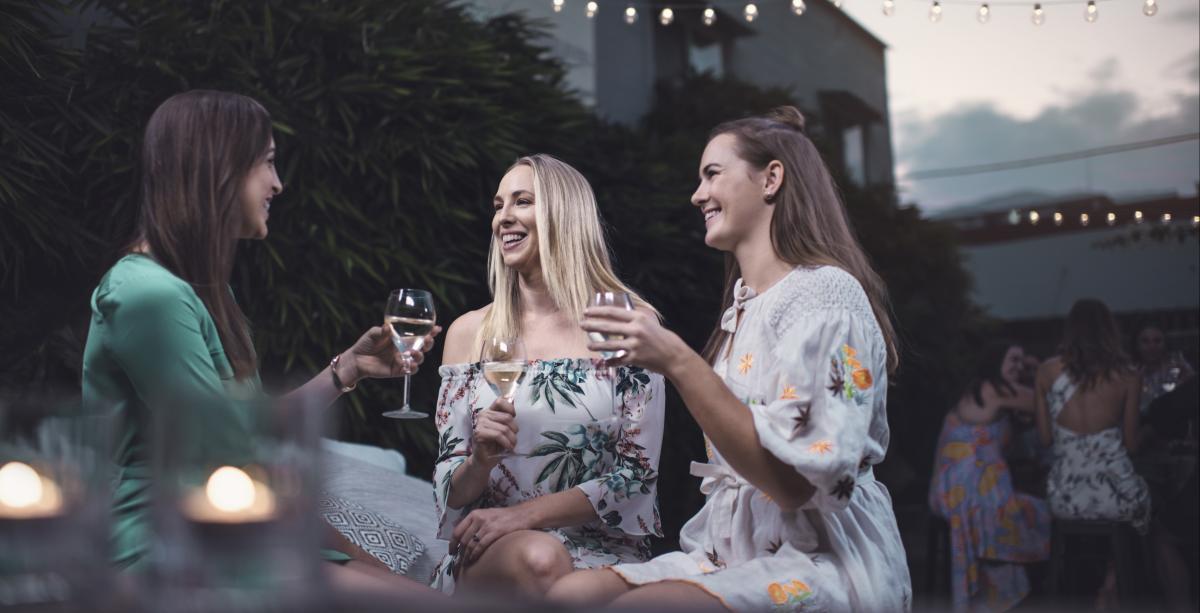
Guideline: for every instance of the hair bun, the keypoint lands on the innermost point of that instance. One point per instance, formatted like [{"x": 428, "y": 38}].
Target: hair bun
[{"x": 789, "y": 115}]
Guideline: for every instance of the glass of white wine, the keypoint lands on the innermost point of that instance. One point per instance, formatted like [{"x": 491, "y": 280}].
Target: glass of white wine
[
  {"x": 409, "y": 316},
  {"x": 621, "y": 300},
  {"x": 504, "y": 365}
]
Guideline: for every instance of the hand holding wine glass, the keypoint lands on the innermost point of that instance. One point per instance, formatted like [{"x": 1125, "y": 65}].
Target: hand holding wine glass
[
  {"x": 504, "y": 365},
  {"x": 409, "y": 316}
]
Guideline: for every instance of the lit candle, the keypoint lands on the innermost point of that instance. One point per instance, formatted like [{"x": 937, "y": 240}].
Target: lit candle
[
  {"x": 230, "y": 496},
  {"x": 26, "y": 494}
]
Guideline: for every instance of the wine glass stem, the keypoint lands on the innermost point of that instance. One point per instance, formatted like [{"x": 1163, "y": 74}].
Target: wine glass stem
[{"x": 406, "y": 384}]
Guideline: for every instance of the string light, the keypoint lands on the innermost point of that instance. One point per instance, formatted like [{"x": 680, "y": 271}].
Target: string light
[
  {"x": 1111, "y": 218},
  {"x": 666, "y": 16},
  {"x": 751, "y": 12},
  {"x": 710, "y": 16},
  {"x": 1034, "y": 217},
  {"x": 1166, "y": 218},
  {"x": 1150, "y": 8},
  {"x": 798, "y": 7},
  {"x": 1058, "y": 218},
  {"x": 558, "y": 6},
  {"x": 1091, "y": 13},
  {"x": 1039, "y": 16},
  {"x": 1195, "y": 220},
  {"x": 935, "y": 12},
  {"x": 591, "y": 9},
  {"x": 630, "y": 14},
  {"x": 889, "y": 7},
  {"x": 1083, "y": 219},
  {"x": 985, "y": 13},
  {"x": 1137, "y": 217}
]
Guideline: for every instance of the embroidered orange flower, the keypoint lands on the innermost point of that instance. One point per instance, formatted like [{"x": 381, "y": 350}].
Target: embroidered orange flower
[
  {"x": 821, "y": 447},
  {"x": 853, "y": 363},
  {"x": 862, "y": 378},
  {"x": 777, "y": 593},
  {"x": 789, "y": 393},
  {"x": 746, "y": 363},
  {"x": 798, "y": 588},
  {"x": 849, "y": 351}
]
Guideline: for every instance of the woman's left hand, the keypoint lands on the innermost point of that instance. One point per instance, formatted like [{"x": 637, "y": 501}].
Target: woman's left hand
[
  {"x": 375, "y": 357},
  {"x": 482, "y": 527},
  {"x": 646, "y": 342}
]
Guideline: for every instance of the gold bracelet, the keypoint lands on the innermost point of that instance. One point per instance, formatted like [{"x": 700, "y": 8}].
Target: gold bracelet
[{"x": 337, "y": 381}]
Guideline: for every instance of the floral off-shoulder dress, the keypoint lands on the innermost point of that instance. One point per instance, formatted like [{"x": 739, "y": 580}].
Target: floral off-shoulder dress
[
  {"x": 808, "y": 360},
  {"x": 580, "y": 425}
]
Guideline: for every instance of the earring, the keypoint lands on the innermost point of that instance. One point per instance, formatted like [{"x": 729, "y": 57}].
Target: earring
[{"x": 769, "y": 197}]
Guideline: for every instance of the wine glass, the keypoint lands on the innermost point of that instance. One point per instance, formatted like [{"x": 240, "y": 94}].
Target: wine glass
[
  {"x": 409, "y": 316},
  {"x": 620, "y": 300},
  {"x": 504, "y": 365}
]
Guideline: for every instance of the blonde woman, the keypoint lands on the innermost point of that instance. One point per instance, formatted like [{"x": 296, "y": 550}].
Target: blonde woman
[{"x": 581, "y": 492}]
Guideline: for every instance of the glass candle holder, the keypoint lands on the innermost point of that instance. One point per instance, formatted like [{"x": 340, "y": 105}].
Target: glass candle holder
[
  {"x": 55, "y": 477},
  {"x": 234, "y": 515}
]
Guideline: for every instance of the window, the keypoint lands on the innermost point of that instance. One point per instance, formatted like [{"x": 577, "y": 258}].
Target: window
[{"x": 854, "y": 154}]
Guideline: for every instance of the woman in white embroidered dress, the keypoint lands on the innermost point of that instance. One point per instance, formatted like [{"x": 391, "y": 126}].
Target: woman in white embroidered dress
[
  {"x": 580, "y": 491},
  {"x": 792, "y": 407}
]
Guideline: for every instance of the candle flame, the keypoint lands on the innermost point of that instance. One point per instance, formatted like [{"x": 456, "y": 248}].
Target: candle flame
[
  {"x": 230, "y": 489},
  {"x": 20, "y": 485}
]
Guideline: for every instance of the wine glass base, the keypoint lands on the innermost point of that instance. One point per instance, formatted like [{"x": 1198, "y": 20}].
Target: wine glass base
[{"x": 402, "y": 414}]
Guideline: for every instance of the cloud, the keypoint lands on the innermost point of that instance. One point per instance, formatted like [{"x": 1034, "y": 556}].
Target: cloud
[{"x": 981, "y": 133}]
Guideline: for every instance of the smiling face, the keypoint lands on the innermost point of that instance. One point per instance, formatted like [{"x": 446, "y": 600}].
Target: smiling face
[
  {"x": 1013, "y": 365},
  {"x": 730, "y": 196},
  {"x": 514, "y": 224},
  {"x": 259, "y": 187}
]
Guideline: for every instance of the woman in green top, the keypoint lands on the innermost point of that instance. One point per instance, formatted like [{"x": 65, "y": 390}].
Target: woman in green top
[{"x": 164, "y": 321}]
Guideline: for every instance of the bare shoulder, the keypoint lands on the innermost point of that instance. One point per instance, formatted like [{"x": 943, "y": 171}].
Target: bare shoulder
[{"x": 461, "y": 336}]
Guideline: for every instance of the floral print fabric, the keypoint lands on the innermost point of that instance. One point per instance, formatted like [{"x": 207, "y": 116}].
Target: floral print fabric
[
  {"x": 993, "y": 529},
  {"x": 1092, "y": 476},
  {"x": 809, "y": 363},
  {"x": 579, "y": 427}
]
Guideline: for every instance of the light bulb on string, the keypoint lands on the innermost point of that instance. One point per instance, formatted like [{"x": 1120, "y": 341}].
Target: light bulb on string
[
  {"x": 1150, "y": 8},
  {"x": 889, "y": 7},
  {"x": 591, "y": 9},
  {"x": 1039, "y": 16},
  {"x": 1111, "y": 218},
  {"x": 666, "y": 16},
  {"x": 838, "y": 3},
  {"x": 1091, "y": 13},
  {"x": 798, "y": 7},
  {"x": 1166, "y": 218},
  {"x": 1138, "y": 217},
  {"x": 935, "y": 12},
  {"x": 710, "y": 16},
  {"x": 557, "y": 5},
  {"x": 751, "y": 12},
  {"x": 985, "y": 13},
  {"x": 1083, "y": 219},
  {"x": 1058, "y": 218},
  {"x": 630, "y": 14},
  {"x": 1034, "y": 217},
  {"x": 1195, "y": 220}
]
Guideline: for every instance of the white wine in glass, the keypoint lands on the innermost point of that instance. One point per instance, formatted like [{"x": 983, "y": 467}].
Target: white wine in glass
[
  {"x": 504, "y": 365},
  {"x": 409, "y": 316},
  {"x": 620, "y": 300}
]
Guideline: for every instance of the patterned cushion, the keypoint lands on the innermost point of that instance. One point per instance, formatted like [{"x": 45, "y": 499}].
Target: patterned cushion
[{"x": 374, "y": 533}]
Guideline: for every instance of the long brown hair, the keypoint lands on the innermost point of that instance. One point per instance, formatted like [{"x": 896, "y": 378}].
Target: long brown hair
[
  {"x": 809, "y": 226},
  {"x": 1091, "y": 349},
  {"x": 198, "y": 148}
]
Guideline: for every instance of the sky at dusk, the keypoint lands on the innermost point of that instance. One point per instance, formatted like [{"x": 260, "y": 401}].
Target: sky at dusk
[{"x": 965, "y": 93}]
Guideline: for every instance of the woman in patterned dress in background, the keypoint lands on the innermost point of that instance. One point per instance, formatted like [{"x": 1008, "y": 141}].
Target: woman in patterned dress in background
[
  {"x": 994, "y": 530},
  {"x": 790, "y": 393},
  {"x": 580, "y": 490}
]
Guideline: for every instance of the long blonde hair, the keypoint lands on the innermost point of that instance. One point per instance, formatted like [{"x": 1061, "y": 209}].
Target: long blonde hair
[{"x": 571, "y": 248}]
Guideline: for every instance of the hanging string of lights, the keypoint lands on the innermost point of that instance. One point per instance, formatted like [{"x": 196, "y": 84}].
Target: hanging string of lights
[
  {"x": 750, "y": 11},
  {"x": 1110, "y": 218}
]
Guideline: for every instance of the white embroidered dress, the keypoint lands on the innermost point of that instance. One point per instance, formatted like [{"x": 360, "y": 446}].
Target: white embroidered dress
[{"x": 809, "y": 361}]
